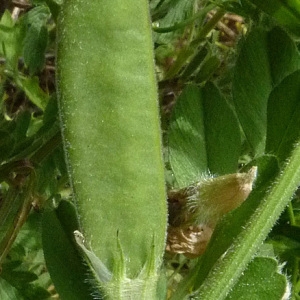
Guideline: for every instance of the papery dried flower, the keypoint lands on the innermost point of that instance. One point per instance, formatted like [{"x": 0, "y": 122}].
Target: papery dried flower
[
  {"x": 195, "y": 210},
  {"x": 191, "y": 241}
]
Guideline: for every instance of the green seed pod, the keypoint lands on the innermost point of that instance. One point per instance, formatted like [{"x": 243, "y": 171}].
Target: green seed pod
[{"x": 111, "y": 132}]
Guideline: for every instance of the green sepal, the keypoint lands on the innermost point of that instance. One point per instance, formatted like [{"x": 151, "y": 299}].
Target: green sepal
[{"x": 97, "y": 266}]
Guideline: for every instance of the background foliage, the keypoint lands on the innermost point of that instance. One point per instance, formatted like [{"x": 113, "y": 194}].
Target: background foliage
[{"x": 228, "y": 75}]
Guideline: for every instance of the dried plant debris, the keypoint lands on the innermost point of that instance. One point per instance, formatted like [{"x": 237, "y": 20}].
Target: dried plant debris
[{"x": 195, "y": 210}]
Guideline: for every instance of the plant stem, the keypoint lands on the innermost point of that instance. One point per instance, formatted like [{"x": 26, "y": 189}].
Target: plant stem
[
  {"x": 183, "y": 24},
  {"x": 47, "y": 148},
  {"x": 230, "y": 267},
  {"x": 210, "y": 25},
  {"x": 291, "y": 214},
  {"x": 295, "y": 275},
  {"x": 189, "y": 50},
  {"x": 22, "y": 200}
]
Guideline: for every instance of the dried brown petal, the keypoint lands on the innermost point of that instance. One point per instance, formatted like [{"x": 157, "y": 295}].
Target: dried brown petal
[
  {"x": 195, "y": 210},
  {"x": 209, "y": 199},
  {"x": 191, "y": 241}
]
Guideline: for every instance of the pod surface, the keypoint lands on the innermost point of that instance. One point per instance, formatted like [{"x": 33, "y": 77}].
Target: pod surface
[{"x": 111, "y": 129}]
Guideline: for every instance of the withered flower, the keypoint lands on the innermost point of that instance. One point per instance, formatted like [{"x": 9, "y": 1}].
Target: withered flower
[{"x": 195, "y": 210}]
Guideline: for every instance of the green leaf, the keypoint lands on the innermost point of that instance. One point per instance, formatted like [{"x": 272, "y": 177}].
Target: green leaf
[
  {"x": 286, "y": 12},
  {"x": 261, "y": 280},
  {"x": 286, "y": 246},
  {"x": 20, "y": 285},
  {"x": 284, "y": 117},
  {"x": 30, "y": 85},
  {"x": 187, "y": 151},
  {"x": 35, "y": 44},
  {"x": 7, "y": 143},
  {"x": 175, "y": 13},
  {"x": 195, "y": 62},
  {"x": 36, "y": 37},
  {"x": 265, "y": 58},
  {"x": 22, "y": 124},
  {"x": 7, "y": 291},
  {"x": 54, "y": 6},
  {"x": 11, "y": 39},
  {"x": 37, "y": 16},
  {"x": 70, "y": 275},
  {"x": 201, "y": 141},
  {"x": 23, "y": 276},
  {"x": 222, "y": 132},
  {"x": 24, "y": 267},
  {"x": 10, "y": 207},
  {"x": 207, "y": 69}
]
